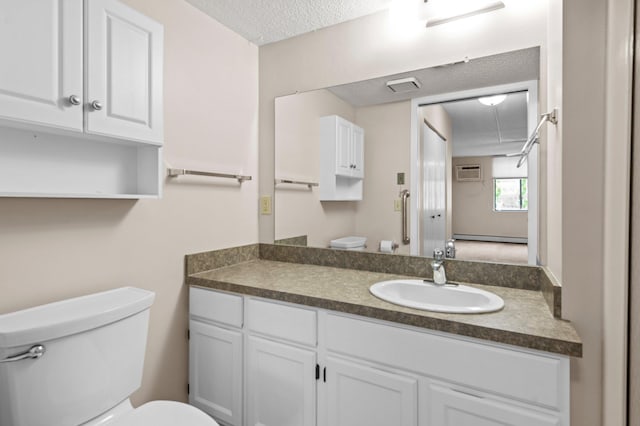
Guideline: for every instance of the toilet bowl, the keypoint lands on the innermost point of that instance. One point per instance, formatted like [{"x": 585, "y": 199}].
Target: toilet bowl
[
  {"x": 76, "y": 362},
  {"x": 154, "y": 413}
]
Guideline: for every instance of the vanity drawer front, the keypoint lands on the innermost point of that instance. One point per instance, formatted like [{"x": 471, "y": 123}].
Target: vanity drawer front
[
  {"x": 282, "y": 321},
  {"x": 216, "y": 306},
  {"x": 517, "y": 374}
]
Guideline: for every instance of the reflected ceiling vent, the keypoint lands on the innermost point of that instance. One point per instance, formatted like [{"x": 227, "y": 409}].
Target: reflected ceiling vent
[{"x": 404, "y": 85}]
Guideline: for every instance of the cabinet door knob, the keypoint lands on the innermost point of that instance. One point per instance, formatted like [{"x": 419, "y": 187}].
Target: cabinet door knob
[
  {"x": 74, "y": 100},
  {"x": 96, "y": 105}
]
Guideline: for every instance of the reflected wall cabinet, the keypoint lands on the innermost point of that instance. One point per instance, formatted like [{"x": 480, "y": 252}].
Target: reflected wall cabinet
[
  {"x": 302, "y": 366},
  {"x": 80, "y": 100},
  {"x": 341, "y": 159}
]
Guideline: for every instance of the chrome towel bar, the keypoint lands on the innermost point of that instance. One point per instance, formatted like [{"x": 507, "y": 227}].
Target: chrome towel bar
[
  {"x": 551, "y": 117},
  {"x": 297, "y": 182},
  {"x": 180, "y": 172}
]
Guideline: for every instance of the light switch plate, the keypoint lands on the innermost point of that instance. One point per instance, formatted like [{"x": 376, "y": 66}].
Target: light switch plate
[
  {"x": 400, "y": 178},
  {"x": 265, "y": 204},
  {"x": 397, "y": 204}
]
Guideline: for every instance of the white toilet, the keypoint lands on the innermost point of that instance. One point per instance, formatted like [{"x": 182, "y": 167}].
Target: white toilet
[
  {"x": 76, "y": 362},
  {"x": 349, "y": 243}
]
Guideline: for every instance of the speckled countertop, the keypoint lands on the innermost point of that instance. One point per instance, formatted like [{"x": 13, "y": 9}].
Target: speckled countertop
[{"x": 525, "y": 320}]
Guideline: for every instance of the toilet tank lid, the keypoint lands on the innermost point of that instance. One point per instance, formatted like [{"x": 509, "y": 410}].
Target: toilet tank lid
[
  {"x": 348, "y": 242},
  {"x": 71, "y": 316}
]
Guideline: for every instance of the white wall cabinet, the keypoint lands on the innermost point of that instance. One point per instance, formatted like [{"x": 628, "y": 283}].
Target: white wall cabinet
[
  {"x": 306, "y": 366},
  {"x": 341, "y": 159},
  {"x": 80, "y": 100},
  {"x": 123, "y": 71},
  {"x": 41, "y": 66}
]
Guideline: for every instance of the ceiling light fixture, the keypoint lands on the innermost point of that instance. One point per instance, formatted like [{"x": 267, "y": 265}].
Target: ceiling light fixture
[
  {"x": 464, "y": 11},
  {"x": 492, "y": 100}
]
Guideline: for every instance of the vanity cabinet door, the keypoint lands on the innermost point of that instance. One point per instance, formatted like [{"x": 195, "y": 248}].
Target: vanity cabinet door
[
  {"x": 450, "y": 406},
  {"x": 215, "y": 371},
  {"x": 41, "y": 62},
  {"x": 281, "y": 384},
  {"x": 124, "y": 72},
  {"x": 364, "y": 396}
]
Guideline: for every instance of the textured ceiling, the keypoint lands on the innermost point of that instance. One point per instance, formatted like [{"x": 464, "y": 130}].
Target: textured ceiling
[
  {"x": 488, "y": 130},
  {"x": 267, "y": 21},
  {"x": 510, "y": 67}
]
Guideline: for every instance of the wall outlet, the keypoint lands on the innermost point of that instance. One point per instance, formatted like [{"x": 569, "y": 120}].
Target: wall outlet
[
  {"x": 400, "y": 178},
  {"x": 265, "y": 204},
  {"x": 397, "y": 204}
]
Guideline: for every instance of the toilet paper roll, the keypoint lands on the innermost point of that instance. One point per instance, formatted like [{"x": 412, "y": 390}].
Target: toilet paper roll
[{"x": 387, "y": 246}]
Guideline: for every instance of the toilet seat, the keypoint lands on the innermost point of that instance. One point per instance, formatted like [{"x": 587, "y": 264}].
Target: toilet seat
[{"x": 164, "y": 413}]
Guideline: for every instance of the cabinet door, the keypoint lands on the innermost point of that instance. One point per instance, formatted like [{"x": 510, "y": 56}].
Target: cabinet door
[
  {"x": 344, "y": 148},
  {"x": 123, "y": 70},
  {"x": 215, "y": 371},
  {"x": 451, "y": 407},
  {"x": 364, "y": 396},
  {"x": 357, "y": 149},
  {"x": 281, "y": 384},
  {"x": 41, "y": 62}
]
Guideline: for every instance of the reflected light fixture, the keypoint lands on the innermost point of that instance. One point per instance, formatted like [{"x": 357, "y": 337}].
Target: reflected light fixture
[
  {"x": 492, "y": 100},
  {"x": 464, "y": 10}
]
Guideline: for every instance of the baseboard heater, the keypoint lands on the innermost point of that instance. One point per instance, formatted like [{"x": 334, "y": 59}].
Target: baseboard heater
[{"x": 491, "y": 238}]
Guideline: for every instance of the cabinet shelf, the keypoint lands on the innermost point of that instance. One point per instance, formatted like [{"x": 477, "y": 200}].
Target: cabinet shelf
[{"x": 43, "y": 165}]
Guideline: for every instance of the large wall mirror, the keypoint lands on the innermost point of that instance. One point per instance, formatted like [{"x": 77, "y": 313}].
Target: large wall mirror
[{"x": 413, "y": 160}]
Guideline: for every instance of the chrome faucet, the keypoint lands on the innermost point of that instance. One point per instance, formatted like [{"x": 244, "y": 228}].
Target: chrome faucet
[{"x": 437, "y": 264}]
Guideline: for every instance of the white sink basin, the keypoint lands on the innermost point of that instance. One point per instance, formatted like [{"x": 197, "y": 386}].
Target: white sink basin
[{"x": 419, "y": 294}]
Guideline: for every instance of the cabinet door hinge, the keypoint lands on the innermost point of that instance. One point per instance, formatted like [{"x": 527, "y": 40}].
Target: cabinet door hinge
[
  {"x": 317, "y": 372},
  {"x": 188, "y": 389},
  {"x": 188, "y": 334},
  {"x": 324, "y": 374}
]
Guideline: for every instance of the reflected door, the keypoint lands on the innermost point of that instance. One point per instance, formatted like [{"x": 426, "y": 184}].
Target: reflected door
[{"x": 433, "y": 200}]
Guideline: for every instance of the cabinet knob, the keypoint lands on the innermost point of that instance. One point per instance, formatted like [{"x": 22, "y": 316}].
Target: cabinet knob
[
  {"x": 97, "y": 105},
  {"x": 74, "y": 100}
]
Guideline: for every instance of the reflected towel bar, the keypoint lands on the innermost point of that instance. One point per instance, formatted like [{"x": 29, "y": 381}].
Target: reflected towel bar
[
  {"x": 297, "y": 182},
  {"x": 551, "y": 117},
  {"x": 180, "y": 172}
]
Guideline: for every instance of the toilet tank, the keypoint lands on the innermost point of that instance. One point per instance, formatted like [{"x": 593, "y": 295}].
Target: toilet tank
[{"x": 93, "y": 359}]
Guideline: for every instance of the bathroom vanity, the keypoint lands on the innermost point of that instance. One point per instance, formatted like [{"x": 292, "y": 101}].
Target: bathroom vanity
[{"x": 284, "y": 343}]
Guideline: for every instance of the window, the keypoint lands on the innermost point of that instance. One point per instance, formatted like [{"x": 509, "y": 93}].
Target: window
[{"x": 510, "y": 194}]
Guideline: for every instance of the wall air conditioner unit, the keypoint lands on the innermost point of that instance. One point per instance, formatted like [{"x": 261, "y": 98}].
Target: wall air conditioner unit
[{"x": 469, "y": 173}]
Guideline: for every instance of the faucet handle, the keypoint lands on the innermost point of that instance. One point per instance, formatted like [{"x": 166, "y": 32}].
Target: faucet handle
[{"x": 438, "y": 254}]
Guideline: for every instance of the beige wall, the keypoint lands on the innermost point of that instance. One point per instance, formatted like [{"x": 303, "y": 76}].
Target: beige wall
[
  {"x": 298, "y": 210},
  {"x": 582, "y": 143},
  {"x": 473, "y": 212},
  {"x": 52, "y": 249},
  {"x": 387, "y": 140}
]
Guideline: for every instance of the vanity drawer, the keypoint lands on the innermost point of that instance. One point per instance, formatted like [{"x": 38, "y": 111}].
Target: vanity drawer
[
  {"x": 513, "y": 373},
  {"x": 282, "y": 321},
  {"x": 216, "y": 306}
]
